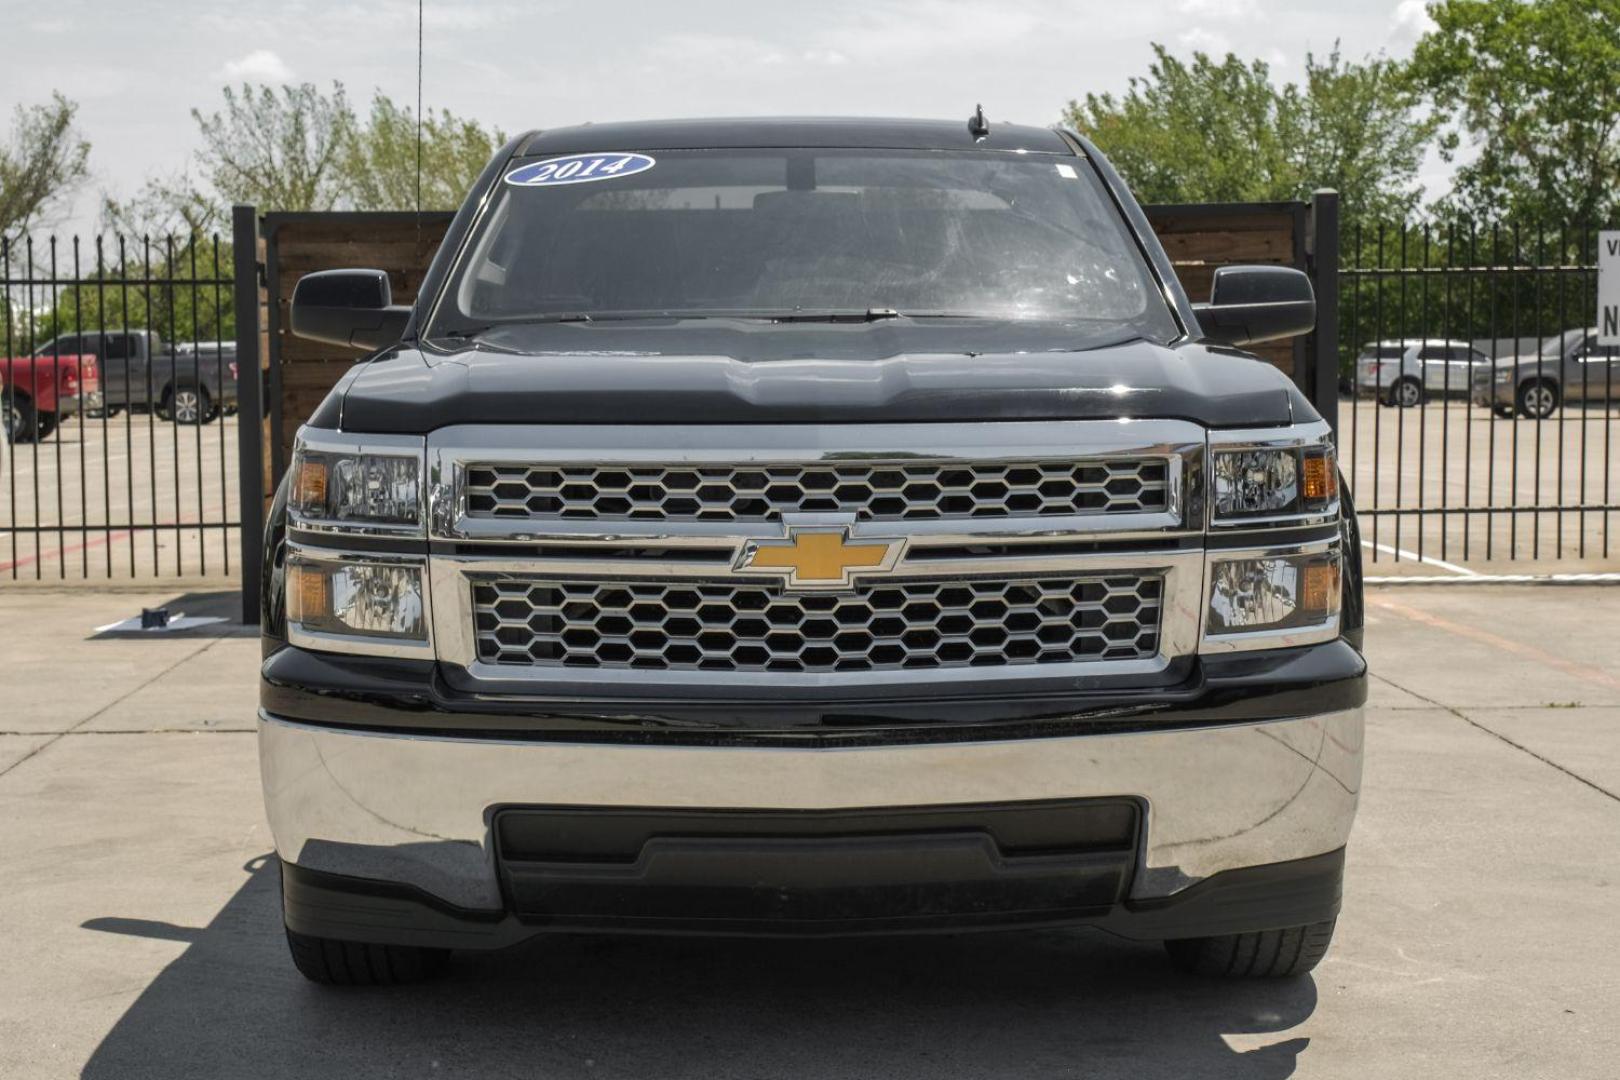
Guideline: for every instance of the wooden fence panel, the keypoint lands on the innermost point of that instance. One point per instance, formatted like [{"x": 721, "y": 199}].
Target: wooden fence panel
[
  {"x": 306, "y": 371},
  {"x": 1199, "y": 239}
]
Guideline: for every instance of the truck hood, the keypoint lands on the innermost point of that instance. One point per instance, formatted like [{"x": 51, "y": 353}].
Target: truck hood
[{"x": 821, "y": 378}]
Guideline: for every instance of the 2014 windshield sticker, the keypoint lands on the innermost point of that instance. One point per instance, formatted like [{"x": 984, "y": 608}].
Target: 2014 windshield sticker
[{"x": 579, "y": 169}]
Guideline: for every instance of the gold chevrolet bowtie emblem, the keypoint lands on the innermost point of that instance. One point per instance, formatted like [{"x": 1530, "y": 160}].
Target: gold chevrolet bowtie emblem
[{"x": 818, "y": 556}]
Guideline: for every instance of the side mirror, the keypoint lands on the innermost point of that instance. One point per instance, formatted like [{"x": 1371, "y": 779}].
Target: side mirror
[
  {"x": 353, "y": 308},
  {"x": 1251, "y": 304}
]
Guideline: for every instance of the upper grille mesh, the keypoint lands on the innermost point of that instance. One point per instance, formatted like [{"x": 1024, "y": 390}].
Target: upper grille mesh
[
  {"x": 726, "y": 627},
  {"x": 872, "y": 491}
]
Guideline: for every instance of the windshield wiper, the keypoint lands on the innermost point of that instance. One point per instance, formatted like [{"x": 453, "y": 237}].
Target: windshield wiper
[
  {"x": 877, "y": 314},
  {"x": 869, "y": 315}
]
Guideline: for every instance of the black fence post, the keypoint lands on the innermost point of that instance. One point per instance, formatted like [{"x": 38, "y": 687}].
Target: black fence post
[
  {"x": 250, "y": 404},
  {"x": 1322, "y": 254}
]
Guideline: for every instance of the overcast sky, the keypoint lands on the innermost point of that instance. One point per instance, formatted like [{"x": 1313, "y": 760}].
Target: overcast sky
[{"x": 136, "y": 67}]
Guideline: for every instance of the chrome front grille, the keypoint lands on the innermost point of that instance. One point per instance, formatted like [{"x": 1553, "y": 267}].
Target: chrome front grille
[
  {"x": 628, "y": 559},
  {"x": 722, "y": 626},
  {"x": 870, "y": 491}
]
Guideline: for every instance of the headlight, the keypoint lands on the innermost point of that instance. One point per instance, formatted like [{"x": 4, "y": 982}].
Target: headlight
[
  {"x": 1272, "y": 599},
  {"x": 359, "y": 603},
  {"x": 357, "y": 484},
  {"x": 1289, "y": 479}
]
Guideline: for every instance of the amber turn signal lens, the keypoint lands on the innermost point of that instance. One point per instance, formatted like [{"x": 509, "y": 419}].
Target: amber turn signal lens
[
  {"x": 308, "y": 598},
  {"x": 1321, "y": 587},
  {"x": 311, "y": 485},
  {"x": 1321, "y": 483}
]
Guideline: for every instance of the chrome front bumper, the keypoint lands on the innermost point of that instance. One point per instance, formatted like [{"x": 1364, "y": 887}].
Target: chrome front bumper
[{"x": 417, "y": 810}]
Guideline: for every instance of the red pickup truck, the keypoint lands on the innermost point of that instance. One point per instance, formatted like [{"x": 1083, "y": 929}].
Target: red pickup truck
[{"x": 38, "y": 392}]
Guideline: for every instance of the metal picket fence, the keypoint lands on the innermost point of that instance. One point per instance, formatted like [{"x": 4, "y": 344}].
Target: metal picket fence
[
  {"x": 1480, "y": 420},
  {"x": 118, "y": 387}
]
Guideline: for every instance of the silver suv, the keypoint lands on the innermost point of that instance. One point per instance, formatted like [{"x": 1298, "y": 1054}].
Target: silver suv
[{"x": 1405, "y": 373}]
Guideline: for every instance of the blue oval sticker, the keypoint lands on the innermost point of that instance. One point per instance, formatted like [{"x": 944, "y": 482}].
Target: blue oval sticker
[{"x": 579, "y": 169}]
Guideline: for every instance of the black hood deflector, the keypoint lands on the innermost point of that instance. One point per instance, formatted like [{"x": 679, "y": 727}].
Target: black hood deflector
[{"x": 754, "y": 380}]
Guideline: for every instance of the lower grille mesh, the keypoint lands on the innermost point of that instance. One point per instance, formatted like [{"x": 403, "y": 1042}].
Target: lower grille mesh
[{"x": 726, "y": 627}]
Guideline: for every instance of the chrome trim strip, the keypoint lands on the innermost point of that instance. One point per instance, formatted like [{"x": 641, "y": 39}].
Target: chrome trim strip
[
  {"x": 705, "y": 533},
  {"x": 414, "y": 809},
  {"x": 1271, "y": 438},
  {"x": 363, "y": 644}
]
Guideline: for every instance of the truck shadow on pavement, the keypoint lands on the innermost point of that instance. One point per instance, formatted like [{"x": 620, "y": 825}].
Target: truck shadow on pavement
[{"x": 1042, "y": 1003}]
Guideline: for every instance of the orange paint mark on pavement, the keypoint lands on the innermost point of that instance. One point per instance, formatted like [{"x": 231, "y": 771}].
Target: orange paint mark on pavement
[{"x": 1485, "y": 637}]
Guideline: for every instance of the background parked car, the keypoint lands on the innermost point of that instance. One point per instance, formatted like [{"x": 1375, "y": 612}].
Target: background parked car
[
  {"x": 1570, "y": 367},
  {"x": 38, "y": 392},
  {"x": 214, "y": 357},
  {"x": 1405, "y": 373},
  {"x": 190, "y": 384}
]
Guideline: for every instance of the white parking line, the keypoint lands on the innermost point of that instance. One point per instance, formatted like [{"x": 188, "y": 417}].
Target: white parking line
[
  {"x": 1499, "y": 579},
  {"x": 1402, "y": 553}
]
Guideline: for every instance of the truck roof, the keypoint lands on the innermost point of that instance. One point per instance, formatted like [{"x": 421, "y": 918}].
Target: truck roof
[{"x": 791, "y": 131}]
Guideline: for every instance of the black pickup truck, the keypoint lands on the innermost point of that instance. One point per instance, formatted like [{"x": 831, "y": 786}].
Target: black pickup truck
[{"x": 809, "y": 526}]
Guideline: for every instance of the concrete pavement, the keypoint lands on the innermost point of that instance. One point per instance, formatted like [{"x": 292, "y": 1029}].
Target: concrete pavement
[{"x": 139, "y": 932}]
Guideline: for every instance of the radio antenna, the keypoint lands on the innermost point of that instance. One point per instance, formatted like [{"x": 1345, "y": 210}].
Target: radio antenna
[
  {"x": 978, "y": 126},
  {"x": 419, "y": 114}
]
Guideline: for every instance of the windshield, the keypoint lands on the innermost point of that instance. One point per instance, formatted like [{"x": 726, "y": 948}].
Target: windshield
[
  {"x": 772, "y": 234},
  {"x": 1553, "y": 348}
]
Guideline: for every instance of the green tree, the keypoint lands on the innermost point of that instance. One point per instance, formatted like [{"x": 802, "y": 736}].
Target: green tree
[
  {"x": 172, "y": 206},
  {"x": 1534, "y": 87},
  {"x": 41, "y": 163},
  {"x": 1223, "y": 131},
  {"x": 379, "y": 162},
  {"x": 278, "y": 148}
]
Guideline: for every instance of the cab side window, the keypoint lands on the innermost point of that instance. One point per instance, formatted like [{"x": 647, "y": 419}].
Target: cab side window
[
  {"x": 1592, "y": 352},
  {"x": 66, "y": 345}
]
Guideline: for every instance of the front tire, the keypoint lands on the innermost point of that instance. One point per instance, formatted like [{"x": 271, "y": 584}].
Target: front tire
[
  {"x": 1261, "y": 954},
  {"x": 332, "y": 962},
  {"x": 187, "y": 405},
  {"x": 20, "y": 419},
  {"x": 1407, "y": 393},
  {"x": 1538, "y": 399}
]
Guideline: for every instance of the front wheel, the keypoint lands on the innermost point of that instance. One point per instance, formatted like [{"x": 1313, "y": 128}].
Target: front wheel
[
  {"x": 19, "y": 417},
  {"x": 1538, "y": 399},
  {"x": 1261, "y": 954},
  {"x": 187, "y": 405},
  {"x": 1407, "y": 393},
  {"x": 353, "y": 963}
]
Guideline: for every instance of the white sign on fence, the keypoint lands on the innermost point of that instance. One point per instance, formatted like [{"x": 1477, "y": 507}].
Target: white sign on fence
[{"x": 1609, "y": 288}]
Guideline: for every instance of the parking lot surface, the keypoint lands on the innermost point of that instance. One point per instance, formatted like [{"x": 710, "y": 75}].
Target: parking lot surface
[
  {"x": 129, "y": 497},
  {"x": 141, "y": 934},
  {"x": 1442, "y": 463}
]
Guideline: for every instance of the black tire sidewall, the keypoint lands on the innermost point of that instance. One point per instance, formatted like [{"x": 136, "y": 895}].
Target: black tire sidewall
[{"x": 20, "y": 420}]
